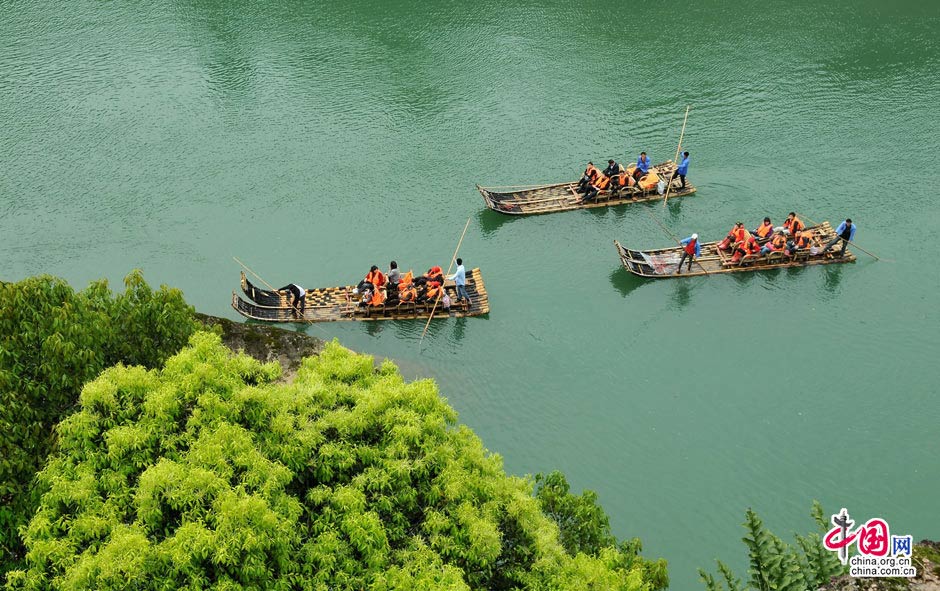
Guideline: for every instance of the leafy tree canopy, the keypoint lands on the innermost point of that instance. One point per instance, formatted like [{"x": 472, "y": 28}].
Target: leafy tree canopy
[
  {"x": 52, "y": 341},
  {"x": 209, "y": 473}
]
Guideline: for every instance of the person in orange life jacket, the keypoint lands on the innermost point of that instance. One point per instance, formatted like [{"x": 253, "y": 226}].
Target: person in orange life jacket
[
  {"x": 846, "y": 233},
  {"x": 378, "y": 296},
  {"x": 776, "y": 244},
  {"x": 599, "y": 185},
  {"x": 691, "y": 249},
  {"x": 683, "y": 168},
  {"x": 642, "y": 166},
  {"x": 406, "y": 288},
  {"x": 802, "y": 241},
  {"x": 435, "y": 274},
  {"x": 588, "y": 178},
  {"x": 376, "y": 277},
  {"x": 793, "y": 224},
  {"x": 764, "y": 230},
  {"x": 743, "y": 249},
  {"x": 620, "y": 181},
  {"x": 737, "y": 234},
  {"x": 298, "y": 297},
  {"x": 432, "y": 292}
]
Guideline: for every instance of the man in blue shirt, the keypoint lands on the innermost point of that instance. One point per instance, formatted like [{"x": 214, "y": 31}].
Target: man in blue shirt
[
  {"x": 846, "y": 233},
  {"x": 642, "y": 166},
  {"x": 691, "y": 249},
  {"x": 683, "y": 168},
  {"x": 460, "y": 278}
]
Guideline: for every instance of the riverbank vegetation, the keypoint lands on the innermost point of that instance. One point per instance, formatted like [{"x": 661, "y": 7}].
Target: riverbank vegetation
[
  {"x": 204, "y": 468},
  {"x": 52, "y": 341}
]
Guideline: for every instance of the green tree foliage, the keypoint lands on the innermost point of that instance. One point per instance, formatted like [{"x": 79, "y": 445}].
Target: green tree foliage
[
  {"x": 585, "y": 527},
  {"x": 776, "y": 565},
  {"x": 208, "y": 473},
  {"x": 52, "y": 341}
]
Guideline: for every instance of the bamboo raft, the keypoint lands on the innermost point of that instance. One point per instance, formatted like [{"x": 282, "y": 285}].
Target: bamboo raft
[
  {"x": 536, "y": 199},
  {"x": 332, "y": 304},
  {"x": 662, "y": 263}
]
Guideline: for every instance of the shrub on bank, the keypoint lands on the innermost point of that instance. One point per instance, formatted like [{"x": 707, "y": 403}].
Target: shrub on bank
[
  {"x": 52, "y": 341},
  {"x": 208, "y": 473}
]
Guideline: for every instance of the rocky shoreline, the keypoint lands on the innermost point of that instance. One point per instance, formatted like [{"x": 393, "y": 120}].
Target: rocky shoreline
[{"x": 266, "y": 343}]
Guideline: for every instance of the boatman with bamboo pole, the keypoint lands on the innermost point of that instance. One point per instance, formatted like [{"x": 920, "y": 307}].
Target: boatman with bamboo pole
[
  {"x": 691, "y": 249},
  {"x": 460, "y": 279},
  {"x": 683, "y": 168},
  {"x": 846, "y": 233}
]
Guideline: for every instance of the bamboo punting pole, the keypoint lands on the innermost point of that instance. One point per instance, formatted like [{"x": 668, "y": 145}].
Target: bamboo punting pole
[
  {"x": 258, "y": 277},
  {"x": 453, "y": 259},
  {"x": 676, "y": 159},
  {"x": 874, "y": 256}
]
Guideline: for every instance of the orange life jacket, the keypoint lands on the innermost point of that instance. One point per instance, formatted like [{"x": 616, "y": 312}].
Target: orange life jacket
[
  {"x": 778, "y": 243},
  {"x": 751, "y": 246},
  {"x": 406, "y": 279},
  {"x": 764, "y": 229},
  {"x": 649, "y": 181},
  {"x": 805, "y": 240},
  {"x": 591, "y": 172},
  {"x": 407, "y": 293},
  {"x": 434, "y": 290},
  {"x": 602, "y": 182},
  {"x": 794, "y": 225},
  {"x": 378, "y": 297},
  {"x": 740, "y": 234},
  {"x": 376, "y": 278}
]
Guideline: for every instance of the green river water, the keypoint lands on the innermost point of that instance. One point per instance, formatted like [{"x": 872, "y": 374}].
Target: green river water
[{"x": 314, "y": 139}]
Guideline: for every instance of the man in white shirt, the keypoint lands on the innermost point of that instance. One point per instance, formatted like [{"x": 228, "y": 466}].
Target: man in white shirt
[{"x": 460, "y": 278}]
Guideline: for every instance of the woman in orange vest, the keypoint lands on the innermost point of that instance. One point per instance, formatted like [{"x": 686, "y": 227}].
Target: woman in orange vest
[
  {"x": 406, "y": 288},
  {"x": 748, "y": 247},
  {"x": 378, "y": 297},
  {"x": 764, "y": 230},
  {"x": 599, "y": 185},
  {"x": 793, "y": 224},
  {"x": 588, "y": 178},
  {"x": 731, "y": 238},
  {"x": 376, "y": 277},
  {"x": 776, "y": 244}
]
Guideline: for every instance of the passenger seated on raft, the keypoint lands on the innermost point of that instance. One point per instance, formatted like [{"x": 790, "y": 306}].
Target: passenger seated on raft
[
  {"x": 613, "y": 168},
  {"x": 435, "y": 273},
  {"x": 793, "y": 224},
  {"x": 406, "y": 288},
  {"x": 378, "y": 297},
  {"x": 587, "y": 179},
  {"x": 743, "y": 249},
  {"x": 764, "y": 230},
  {"x": 622, "y": 180},
  {"x": 431, "y": 292},
  {"x": 802, "y": 241},
  {"x": 599, "y": 185},
  {"x": 642, "y": 166},
  {"x": 776, "y": 244},
  {"x": 736, "y": 236}
]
